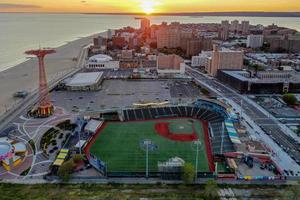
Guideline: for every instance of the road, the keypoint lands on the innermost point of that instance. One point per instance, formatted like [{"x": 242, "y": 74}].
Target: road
[{"x": 268, "y": 125}]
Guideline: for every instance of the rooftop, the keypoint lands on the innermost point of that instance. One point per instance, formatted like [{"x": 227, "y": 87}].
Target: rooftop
[
  {"x": 85, "y": 79},
  {"x": 100, "y": 58},
  {"x": 293, "y": 77}
]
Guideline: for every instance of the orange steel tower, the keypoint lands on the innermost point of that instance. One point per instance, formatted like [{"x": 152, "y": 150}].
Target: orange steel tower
[{"x": 45, "y": 107}]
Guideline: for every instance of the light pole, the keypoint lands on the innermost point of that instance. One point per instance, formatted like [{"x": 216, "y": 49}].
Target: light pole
[
  {"x": 145, "y": 144},
  {"x": 79, "y": 139},
  {"x": 147, "y": 155},
  {"x": 198, "y": 144}
]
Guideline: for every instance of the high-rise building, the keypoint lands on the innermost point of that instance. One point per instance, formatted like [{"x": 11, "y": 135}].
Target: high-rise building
[
  {"x": 245, "y": 26},
  {"x": 207, "y": 44},
  {"x": 225, "y": 23},
  {"x": 145, "y": 24},
  {"x": 224, "y": 30},
  {"x": 185, "y": 36},
  {"x": 225, "y": 59},
  {"x": 234, "y": 26},
  {"x": 289, "y": 43},
  {"x": 110, "y": 34},
  {"x": 168, "y": 36},
  {"x": 255, "y": 41},
  {"x": 194, "y": 47}
]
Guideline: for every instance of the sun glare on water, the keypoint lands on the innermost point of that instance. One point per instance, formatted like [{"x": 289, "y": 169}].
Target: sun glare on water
[{"x": 148, "y": 6}]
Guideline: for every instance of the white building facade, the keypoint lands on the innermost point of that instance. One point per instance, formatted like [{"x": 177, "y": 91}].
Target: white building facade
[
  {"x": 202, "y": 60},
  {"x": 102, "y": 61}
]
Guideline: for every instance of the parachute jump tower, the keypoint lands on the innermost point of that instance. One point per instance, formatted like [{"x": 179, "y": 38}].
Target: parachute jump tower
[{"x": 45, "y": 107}]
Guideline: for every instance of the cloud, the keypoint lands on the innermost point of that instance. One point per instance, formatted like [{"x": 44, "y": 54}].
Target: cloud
[
  {"x": 83, "y": 1},
  {"x": 14, "y": 6}
]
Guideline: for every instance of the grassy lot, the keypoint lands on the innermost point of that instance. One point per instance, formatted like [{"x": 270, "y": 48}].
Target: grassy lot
[
  {"x": 91, "y": 191},
  {"x": 119, "y": 146},
  {"x": 135, "y": 192}
]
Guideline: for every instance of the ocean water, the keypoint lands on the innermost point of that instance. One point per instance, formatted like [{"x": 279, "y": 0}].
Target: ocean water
[{"x": 21, "y": 31}]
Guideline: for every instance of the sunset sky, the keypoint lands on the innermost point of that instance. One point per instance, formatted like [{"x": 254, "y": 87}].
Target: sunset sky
[{"x": 147, "y": 6}]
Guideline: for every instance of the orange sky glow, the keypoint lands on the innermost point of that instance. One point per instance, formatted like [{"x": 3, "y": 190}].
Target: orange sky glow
[{"x": 148, "y": 6}]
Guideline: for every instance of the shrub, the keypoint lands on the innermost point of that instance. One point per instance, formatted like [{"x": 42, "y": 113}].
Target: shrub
[
  {"x": 289, "y": 99},
  {"x": 65, "y": 171},
  {"x": 188, "y": 173},
  {"x": 204, "y": 91},
  {"x": 211, "y": 190},
  {"x": 77, "y": 158}
]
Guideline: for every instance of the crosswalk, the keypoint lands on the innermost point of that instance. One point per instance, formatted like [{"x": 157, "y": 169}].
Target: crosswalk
[{"x": 227, "y": 194}]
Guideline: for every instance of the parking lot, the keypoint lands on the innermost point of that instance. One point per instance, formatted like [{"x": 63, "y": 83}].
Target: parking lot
[{"x": 116, "y": 94}]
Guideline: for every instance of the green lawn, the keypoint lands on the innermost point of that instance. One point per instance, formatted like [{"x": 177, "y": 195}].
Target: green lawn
[{"x": 118, "y": 146}]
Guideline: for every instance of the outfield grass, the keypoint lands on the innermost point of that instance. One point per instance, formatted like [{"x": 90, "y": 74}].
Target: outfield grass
[{"x": 118, "y": 146}]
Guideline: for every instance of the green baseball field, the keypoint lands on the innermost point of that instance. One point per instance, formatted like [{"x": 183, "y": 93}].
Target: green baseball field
[{"x": 120, "y": 145}]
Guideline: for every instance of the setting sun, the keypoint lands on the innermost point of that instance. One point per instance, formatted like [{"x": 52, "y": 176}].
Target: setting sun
[{"x": 148, "y": 6}]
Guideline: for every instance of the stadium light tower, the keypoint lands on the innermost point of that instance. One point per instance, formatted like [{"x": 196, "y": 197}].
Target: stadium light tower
[
  {"x": 197, "y": 143},
  {"x": 45, "y": 107},
  {"x": 147, "y": 145}
]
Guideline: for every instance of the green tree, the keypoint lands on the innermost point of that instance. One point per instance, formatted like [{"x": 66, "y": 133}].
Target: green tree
[
  {"x": 257, "y": 68},
  {"x": 298, "y": 131},
  {"x": 77, "y": 158},
  {"x": 66, "y": 169},
  {"x": 188, "y": 174},
  {"x": 289, "y": 99},
  {"x": 291, "y": 193},
  {"x": 211, "y": 190},
  {"x": 204, "y": 91}
]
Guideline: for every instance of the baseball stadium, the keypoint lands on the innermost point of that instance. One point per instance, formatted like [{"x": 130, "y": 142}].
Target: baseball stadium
[{"x": 187, "y": 132}]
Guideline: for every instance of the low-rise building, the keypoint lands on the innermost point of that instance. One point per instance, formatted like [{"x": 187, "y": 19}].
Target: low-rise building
[
  {"x": 102, "y": 61},
  {"x": 167, "y": 64},
  {"x": 202, "y": 60},
  {"x": 88, "y": 81},
  {"x": 127, "y": 54},
  {"x": 266, "y": 82}
]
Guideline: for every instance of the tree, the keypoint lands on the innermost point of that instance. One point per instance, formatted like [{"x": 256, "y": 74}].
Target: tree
[
  {"x": 66, "y": 169},
  {"x": 256, "y": 68},
  {"x": 188, "y": 173},
  {"x": 298, "y": 131},
  {"x": 204, "y": 91},
  {"x": 211, "y": 190},
  {"x": 77, "y": 158},
  {"x": 291, "y": 193},
  {"x": 289, "y": 99}
]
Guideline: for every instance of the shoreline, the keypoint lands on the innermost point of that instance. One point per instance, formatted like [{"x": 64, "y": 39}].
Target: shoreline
[
  {"x": 19, "y": 61},
  {"x": 24, "y": 76}
]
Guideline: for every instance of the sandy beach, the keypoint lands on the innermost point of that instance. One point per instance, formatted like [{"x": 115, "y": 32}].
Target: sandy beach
[{"x": 24, "y": 76}]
